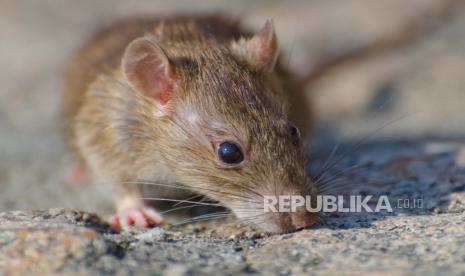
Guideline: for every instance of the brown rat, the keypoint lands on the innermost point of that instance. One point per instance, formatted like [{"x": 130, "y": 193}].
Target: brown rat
[{"x": 195, "y": 100}]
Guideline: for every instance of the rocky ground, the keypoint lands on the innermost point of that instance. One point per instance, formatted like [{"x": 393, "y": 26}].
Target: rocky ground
[{"x": 390, "y": 70}]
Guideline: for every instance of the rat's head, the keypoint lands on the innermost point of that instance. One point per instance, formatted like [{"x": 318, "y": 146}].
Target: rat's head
[{"x": 220, "y": 121}]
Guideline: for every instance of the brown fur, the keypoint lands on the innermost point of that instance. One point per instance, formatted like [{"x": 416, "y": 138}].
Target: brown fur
[{"x": 220, "y": 97}]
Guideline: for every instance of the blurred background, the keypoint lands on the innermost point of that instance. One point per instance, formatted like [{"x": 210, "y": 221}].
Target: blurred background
[{"x": 391, "y": 64}]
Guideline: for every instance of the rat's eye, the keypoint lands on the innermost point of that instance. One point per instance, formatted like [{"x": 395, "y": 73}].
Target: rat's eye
[
  {"x": 295, "y": 134},
  {"x": 230, "y": 153}
]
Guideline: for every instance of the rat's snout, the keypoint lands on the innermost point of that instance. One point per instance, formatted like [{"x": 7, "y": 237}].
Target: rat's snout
[
  {"x": 302, "y": 219},
  {"x": 294, "y": 220},
  {"x": 290, "y": 211}
]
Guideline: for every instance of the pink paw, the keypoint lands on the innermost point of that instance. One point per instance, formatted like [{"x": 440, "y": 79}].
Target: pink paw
[{"x": 139, "y": 216}]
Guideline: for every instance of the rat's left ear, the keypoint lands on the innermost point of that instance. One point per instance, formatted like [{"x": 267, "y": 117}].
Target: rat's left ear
[
  {"x": 261, "y": 50},
  {"x": 147, "y": 68}
]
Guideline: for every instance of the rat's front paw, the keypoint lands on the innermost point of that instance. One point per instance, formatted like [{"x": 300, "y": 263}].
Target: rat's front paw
[{"x": 139, "y": 216}]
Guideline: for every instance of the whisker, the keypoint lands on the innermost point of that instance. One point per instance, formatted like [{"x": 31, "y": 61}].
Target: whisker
[
  {"x": 183, "y": 187},
  {"x": 321, "y": 182},
  {"x": 178, "y": 208},
  {"x": 342, "y": 189},
  {"x": 329, "y": 159},
  {"x": 180, "y": 200},
  {"x": 246, "y": 219},
  {"x": 362, "y": 142},
  {"x": 336, "y": 146},
  {"x": 190, "y": 198},
  {"x": 204, "y": 217}
]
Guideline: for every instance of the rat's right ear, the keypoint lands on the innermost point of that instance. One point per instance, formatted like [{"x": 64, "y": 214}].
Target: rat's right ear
[
  {"x": 261, "y": 50},
  {"x": 148, "y": 69}
]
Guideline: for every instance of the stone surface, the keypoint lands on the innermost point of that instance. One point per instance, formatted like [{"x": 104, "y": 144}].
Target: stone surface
[
  {"x": 39, "y": 37},
  {"x": 407, "y": 98}
]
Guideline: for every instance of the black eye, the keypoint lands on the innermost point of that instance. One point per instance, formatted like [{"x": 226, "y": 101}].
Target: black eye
[
  {"x": 230, "y": 153},
  {"x": 295, "y": 135}
]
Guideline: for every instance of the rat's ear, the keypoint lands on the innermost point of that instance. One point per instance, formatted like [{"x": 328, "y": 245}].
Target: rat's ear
[
  {"x": 148, "y": 69},
  {"x": 261, "y": 50}
]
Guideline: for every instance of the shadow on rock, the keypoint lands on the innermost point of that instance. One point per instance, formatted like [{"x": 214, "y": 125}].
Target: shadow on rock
[{"x": 418, "y": 176}]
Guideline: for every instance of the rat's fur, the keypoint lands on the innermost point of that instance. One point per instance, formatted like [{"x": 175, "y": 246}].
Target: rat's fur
[{"x": 221, "y": 95}]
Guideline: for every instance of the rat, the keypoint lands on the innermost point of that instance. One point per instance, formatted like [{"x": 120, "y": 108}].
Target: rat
[{"x": 196, "y": 100}]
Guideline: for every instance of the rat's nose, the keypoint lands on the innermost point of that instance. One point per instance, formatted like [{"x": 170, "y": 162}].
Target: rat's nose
[
  {"x": 291, "y": 210},
  {"x": 293, "y": 221},
  {"x": 302, "y": 219}
]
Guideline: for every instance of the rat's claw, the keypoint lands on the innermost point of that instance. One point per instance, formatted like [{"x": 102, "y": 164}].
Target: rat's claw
[
  {"x": 140, "y": 216},
  {"x": 153, "y": 215},
  {"x": 113, "y": 221}
]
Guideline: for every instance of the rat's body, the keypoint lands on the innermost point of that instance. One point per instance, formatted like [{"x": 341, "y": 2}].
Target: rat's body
[{"x": 191, "y": 100}]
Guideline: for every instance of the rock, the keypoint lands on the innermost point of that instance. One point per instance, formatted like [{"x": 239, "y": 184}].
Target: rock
[
  {"x": 71, "y": 241},
  {"x": 44, "y": 242}
]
